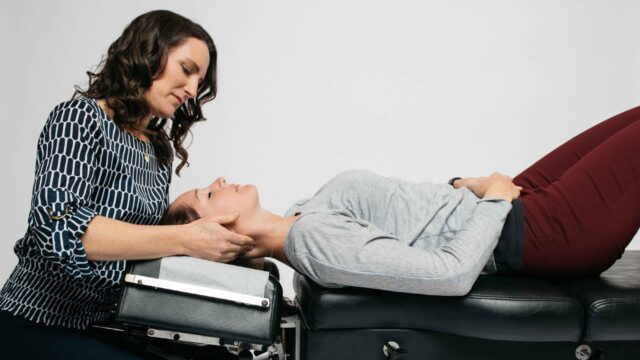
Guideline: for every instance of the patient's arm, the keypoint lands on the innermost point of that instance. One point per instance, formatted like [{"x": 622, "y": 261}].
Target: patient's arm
[
  {"x": 335, "y": 249},
  {"x": 469, "y": 183}
]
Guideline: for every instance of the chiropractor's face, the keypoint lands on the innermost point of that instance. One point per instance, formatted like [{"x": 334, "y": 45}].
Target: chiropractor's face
[
  {"x": 185, "y": 67},
  {"x": 221, "y": 198}
]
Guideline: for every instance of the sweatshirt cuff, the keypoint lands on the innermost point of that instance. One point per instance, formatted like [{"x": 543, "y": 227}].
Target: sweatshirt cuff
[{"x": 501, "y": 206}]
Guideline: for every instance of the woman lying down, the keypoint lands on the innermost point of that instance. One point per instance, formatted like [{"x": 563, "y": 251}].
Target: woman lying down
[{"x": 571, "y": 214}]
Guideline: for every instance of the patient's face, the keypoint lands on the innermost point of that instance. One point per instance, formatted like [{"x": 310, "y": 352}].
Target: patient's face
[{"x": 221, "y": 198}]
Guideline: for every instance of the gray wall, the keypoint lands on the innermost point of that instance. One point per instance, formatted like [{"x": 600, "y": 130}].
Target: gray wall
[{"x": 414, "y": 89}]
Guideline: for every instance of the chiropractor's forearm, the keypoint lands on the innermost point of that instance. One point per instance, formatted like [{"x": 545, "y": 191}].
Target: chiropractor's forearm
[{"x": 107, "y": 239}]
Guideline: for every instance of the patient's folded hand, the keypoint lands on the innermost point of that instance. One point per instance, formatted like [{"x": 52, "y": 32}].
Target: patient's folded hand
[{"x": 479, "y": 185}]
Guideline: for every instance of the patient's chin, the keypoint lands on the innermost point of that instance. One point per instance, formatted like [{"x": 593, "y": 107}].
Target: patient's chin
[
  {"x": 252, "y": 191},
  {"x": 248, "y": 188}
]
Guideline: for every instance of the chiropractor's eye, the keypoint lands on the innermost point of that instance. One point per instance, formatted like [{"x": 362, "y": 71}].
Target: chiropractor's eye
[
  {"x": 186, "y": 70},
  {"x": 209, "y": 196}
]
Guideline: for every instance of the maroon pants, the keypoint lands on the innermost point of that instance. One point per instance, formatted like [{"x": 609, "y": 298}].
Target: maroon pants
[{"x": 582, "y": 201}]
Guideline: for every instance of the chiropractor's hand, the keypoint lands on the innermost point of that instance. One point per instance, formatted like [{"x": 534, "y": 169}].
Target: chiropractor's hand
[
  {"x": 208, "y": 239},
  {"x": 499, "y": 186}
]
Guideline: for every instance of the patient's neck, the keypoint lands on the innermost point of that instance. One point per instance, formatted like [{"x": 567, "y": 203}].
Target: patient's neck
[{"x": 269, "y": 232}]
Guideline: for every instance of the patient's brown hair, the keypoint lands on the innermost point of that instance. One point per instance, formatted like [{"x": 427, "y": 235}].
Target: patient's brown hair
[{"x": 178, "y": 215}]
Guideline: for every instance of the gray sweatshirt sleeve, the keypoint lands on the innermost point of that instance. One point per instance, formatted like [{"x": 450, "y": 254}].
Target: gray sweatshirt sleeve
[{"x": 335, "y": 249}]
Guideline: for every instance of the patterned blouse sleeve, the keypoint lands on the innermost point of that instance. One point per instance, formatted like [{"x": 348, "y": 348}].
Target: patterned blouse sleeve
[{"x": 61, "y": 206}]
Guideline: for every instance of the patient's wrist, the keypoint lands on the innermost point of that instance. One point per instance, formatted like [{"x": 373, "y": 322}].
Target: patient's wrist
[{"x": 455, "y": 182}]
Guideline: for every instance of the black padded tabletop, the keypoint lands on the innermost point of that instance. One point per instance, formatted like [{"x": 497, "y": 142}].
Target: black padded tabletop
[
  {"x": 611, "y": 301},
  {"x": 498, "y": 308}
]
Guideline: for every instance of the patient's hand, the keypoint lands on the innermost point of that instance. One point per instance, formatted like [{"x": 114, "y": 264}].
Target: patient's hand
[
  {"x": 501, "y": 187},
  {"x": 479, "y": 185}
]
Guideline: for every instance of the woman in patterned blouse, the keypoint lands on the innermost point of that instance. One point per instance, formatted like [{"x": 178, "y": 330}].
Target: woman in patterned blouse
[{"x": 103, "y": 169}]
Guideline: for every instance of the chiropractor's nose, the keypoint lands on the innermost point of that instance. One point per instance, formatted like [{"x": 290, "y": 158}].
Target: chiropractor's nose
[{"x": 191, "y": 87}]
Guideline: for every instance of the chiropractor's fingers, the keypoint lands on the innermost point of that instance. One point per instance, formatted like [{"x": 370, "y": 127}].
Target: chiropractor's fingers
[
  {"x": 241, "y": 240},
  {"x": 233, "y": 249},
  {"x": 226, "y": 219},
  {"x": 229, "y": 252},
  {"x": 228, "y": 257},
  {"x": 256, "y": 253},
  {"x": 234, "y": 238},
  {"x": 212, "y": 241},
  {"x": 237, "y": 243},
  {"x": 243, "y": 243}
]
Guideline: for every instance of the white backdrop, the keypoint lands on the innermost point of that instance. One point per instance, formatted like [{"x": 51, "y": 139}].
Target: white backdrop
[{"x": 422, "y": 90}]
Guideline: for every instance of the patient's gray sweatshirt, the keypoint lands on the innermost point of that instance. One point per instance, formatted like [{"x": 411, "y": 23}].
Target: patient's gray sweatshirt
[{"x": 365, "y": 230}]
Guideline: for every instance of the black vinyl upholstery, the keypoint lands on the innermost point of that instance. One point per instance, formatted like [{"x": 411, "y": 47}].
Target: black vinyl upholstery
[
  {"x": 503, "y": 317},
  {"x": 612, "y": 301},
  {"x": 498, "y": 308}
]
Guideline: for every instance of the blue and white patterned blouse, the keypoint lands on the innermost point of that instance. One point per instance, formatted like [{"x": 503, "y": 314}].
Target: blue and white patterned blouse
[{"x": 86, "y": 166}]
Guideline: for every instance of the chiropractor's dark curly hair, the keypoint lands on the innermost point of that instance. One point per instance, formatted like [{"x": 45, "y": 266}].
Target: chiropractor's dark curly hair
[{"x": 129, "y": 68}]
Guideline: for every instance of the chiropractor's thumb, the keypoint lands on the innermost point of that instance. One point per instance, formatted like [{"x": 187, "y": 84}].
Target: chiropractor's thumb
[{"x": 228, "y": 218}]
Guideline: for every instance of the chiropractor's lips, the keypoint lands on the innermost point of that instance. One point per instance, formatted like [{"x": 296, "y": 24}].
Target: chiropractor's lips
[{"x": 177, "y": 98}]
